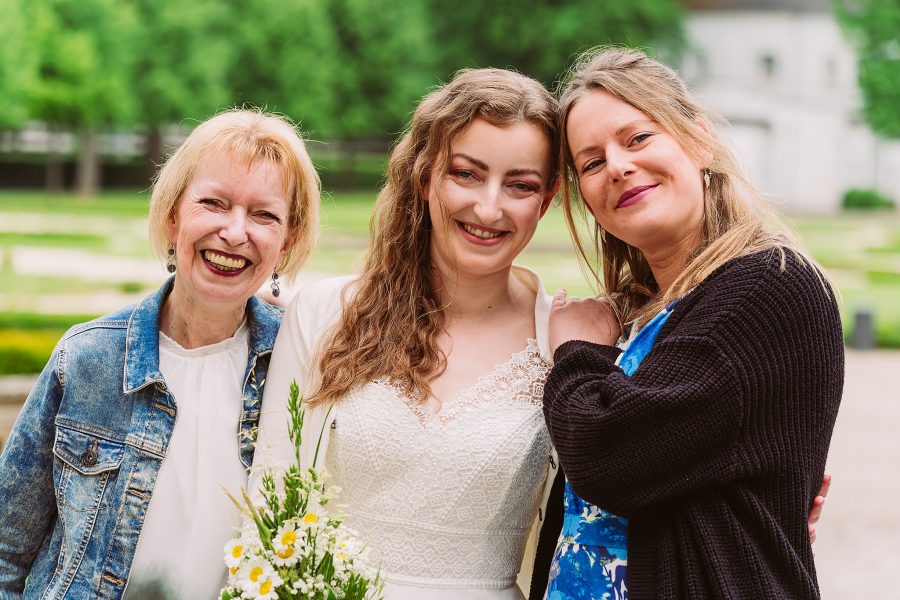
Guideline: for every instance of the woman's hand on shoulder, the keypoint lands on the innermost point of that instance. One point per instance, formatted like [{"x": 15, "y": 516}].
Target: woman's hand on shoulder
[
  {"x": 817, "y": 506},
  {"x": 588, "y": 319}
]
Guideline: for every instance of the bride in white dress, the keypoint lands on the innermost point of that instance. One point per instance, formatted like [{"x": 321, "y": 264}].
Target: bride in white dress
[{"x": 430, "y": 365}]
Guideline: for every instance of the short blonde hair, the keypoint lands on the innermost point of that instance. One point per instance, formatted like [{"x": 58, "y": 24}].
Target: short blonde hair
[{"x": 254, "y": 136}]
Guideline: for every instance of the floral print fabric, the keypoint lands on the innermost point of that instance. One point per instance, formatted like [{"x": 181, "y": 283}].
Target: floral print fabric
[{"x": 591, "y": 557}]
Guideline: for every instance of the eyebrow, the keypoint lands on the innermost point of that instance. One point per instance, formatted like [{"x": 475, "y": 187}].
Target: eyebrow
[
  {"x": 213, "y": 188},
  {"x": 483, "y": 166},
  {"x": 618, "y": 132}
]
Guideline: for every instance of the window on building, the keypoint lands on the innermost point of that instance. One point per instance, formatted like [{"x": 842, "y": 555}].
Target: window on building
[{"x": 768, "y": 66}]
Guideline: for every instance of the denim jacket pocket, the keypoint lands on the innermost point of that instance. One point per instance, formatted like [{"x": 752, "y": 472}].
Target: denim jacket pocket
[{"x": 87, "y": 462}]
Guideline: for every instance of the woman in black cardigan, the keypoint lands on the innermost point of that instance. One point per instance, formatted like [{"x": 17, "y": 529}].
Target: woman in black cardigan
[{"x": 692, "y": 454}]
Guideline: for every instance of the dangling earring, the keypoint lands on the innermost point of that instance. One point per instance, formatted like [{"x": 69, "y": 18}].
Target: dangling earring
[
  {"x": 275, "y": 289},
  {"x": 170, "y": 263},
  {"x": 602, "y": 233},
  {"x": 707, "y": 177}
]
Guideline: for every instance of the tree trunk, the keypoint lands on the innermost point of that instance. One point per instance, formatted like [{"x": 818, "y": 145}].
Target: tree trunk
[
  {"x": 87, "y": 178},
  {"x": 347, "y": 168},
  {"x": 153, "y": 153},
  {"x": 53, "y": 173}
]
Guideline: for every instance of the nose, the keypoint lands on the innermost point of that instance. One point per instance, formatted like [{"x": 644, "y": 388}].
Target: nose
[
  {"x": 234, "y": 229},
  {"x": 618, "y": 164},
  {"x": 487, "y": 206}
]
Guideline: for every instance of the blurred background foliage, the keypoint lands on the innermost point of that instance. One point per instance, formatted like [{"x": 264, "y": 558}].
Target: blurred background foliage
[
  {"x": 349, "y": 72},
  {"x": 346, "y": 70},
  {"x": 873, "y": 27}
]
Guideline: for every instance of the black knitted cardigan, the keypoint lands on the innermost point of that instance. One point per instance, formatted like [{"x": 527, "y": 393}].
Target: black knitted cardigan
[{"x": 716, "y": 446}]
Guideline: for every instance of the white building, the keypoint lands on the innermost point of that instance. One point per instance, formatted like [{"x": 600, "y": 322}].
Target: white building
[{"x": 784, "y": 75}]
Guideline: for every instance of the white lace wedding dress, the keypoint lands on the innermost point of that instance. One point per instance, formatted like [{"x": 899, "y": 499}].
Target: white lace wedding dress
[{"x": 444, "y": 501}]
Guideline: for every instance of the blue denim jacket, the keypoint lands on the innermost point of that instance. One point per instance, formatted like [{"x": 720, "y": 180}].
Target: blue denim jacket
[{"x": 79, "y": 468}]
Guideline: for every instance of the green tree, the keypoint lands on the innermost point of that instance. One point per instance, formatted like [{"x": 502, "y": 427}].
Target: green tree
[
  {"x": 539, "y": 37},
  {"x": 283, "y": 58},
  {"x": 17, "y": 65},
  {"x": 84, "y": 53},
  {"x": 385, "y": 62},
  {"x": 346, "y": 70},
  {"x": 873, "y": 27},
  {"x": 181, "y": 66}
]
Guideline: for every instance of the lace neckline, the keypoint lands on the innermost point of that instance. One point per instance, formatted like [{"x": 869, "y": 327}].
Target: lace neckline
[{"x": 520, "y": 378}]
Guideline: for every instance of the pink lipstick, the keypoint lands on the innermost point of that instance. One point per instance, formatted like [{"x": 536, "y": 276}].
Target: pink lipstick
[{"x": 634, "y": 195}]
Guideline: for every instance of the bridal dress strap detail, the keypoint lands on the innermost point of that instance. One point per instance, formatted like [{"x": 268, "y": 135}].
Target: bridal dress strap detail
[
  {"x": 519, "y": 379},
  {"x": 448, "y": 500}
]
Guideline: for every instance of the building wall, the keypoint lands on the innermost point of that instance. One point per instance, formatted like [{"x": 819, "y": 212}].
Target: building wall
[{"x": 786, "y": 82}]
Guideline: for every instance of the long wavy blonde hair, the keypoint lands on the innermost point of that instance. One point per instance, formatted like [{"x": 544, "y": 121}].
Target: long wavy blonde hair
[
  {"x": 737, "y": 219},
  {"x": 389, "y": 326}
]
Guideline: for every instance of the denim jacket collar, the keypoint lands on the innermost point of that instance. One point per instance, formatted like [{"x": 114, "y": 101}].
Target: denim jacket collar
[{"x": 142, "y": 338}]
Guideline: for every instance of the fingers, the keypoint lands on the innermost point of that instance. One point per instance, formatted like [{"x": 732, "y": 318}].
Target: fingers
[
  {"x": 559, "y": 298},
  {"x": 812, "y": 534},
  {"x": 818, "y": 503},
  {"x": 815, "y": 511}
]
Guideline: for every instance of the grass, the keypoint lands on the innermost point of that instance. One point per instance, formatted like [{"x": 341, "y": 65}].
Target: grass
[{"x": 861, "y": 252}]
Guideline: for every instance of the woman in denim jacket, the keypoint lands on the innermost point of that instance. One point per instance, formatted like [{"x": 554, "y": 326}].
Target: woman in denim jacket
[{"x": 115, "y": 467}]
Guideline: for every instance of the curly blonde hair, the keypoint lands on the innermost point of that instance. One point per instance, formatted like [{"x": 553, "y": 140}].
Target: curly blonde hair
[
  {"x": 389, "y": 326},
  {"x": 737, "y": 219}
]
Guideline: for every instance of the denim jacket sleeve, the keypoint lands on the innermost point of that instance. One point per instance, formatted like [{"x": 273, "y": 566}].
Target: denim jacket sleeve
[{"x": 27, "y": 496}]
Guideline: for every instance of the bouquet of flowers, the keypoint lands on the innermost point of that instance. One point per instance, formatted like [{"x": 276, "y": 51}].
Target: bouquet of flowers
[{"x": 293, "y": 547}]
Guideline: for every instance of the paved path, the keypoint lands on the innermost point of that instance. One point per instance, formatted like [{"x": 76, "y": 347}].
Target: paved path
[{"x": 858, "y": 539}]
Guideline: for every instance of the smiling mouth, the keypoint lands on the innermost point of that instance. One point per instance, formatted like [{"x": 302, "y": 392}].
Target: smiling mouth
[
  {"x": 635, "y": 194},
  {"x": 484, "y": 234},
  {"x": 225, "y": 263}
]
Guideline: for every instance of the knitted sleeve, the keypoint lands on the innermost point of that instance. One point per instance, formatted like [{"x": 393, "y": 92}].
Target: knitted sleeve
[
  {"x": 740, "y": 347},
  {"x": 625, "y": 443}
]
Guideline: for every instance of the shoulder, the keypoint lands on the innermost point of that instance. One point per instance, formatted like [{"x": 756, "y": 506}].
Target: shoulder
[
  {"x": 775, "y": 278},
  {"x": 542, "y": 303},
  {"x": 769, "y": 297},
  {"x": 319, "y": 304},
  {"x": 323, "y": 293},
  {"x": 111, "y": 325}
]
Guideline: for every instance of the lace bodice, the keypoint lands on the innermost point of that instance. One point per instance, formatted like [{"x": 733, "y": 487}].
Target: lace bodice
[{"x": 447, "y": 499}]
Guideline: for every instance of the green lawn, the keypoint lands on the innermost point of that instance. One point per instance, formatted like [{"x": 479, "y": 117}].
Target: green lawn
[{"x": 860, "y": 250}]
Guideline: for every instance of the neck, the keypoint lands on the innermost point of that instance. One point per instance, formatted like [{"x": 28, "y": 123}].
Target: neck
[
  {"x": 194, "y": 324},
  {"x": 667, "y": 263},
  {"x": 476, "y": 296}
]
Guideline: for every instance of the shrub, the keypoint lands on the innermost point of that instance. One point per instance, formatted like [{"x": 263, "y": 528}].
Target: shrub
[
  {"x": 26, "y": 351},
  {"x": 887, "y": 334},
  {"x": 865, "y": 200}
]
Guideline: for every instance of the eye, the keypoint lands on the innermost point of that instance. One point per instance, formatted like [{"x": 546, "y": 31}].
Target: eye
[
  {"x": 639, "y": 139},
  {"x": 593, "y": 164},
  {"x": 267, "y": 216},
  {"x": 524, "y": 186},
  {"x": 462, "y": 174},
  {"x": 211, "y": 202}
]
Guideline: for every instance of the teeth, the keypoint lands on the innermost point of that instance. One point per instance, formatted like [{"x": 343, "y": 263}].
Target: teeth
[
  {"x": 224, "y": 262},
  {"x": 481, "y": 233}
]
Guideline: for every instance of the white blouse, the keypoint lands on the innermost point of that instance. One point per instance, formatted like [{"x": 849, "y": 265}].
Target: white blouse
[{"x": 190, "y": 517}]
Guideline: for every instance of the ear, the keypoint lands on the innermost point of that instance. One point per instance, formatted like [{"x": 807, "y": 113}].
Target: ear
[
  {"x": 172, "y": 228},
  {"x": 548, "y": 197},
  {"x": 290, "y": 240}
]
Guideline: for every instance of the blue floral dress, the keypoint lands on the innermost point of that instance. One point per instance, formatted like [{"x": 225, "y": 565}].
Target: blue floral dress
[{"x": 591, "y": 556}]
